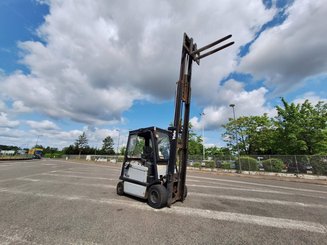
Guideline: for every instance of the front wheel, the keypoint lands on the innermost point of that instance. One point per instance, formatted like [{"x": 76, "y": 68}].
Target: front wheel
[
  {"x": 157, "y": 196},
  {"x": 185, "y": 192},
  {"x": 120, "y": 188}
]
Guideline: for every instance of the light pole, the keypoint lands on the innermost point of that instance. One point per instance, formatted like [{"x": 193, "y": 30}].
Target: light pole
[
  {"x": 203, "y": 149},
  {"x": 236, "y": 139},
  {"x": 37, "y": 140}
]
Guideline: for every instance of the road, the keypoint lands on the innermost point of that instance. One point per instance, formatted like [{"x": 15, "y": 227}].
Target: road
[{"x": 63, "y": 202}]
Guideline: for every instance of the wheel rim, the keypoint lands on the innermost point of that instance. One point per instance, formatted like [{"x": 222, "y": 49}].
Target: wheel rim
[{"x": 154, "y": 196}]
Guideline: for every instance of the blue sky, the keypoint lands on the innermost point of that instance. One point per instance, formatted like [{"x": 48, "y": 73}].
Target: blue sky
[{"x": 106, "y": 67}]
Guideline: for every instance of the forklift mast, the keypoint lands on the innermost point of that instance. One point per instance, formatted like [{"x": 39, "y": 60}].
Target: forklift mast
[{"x": 180, "y": 129}]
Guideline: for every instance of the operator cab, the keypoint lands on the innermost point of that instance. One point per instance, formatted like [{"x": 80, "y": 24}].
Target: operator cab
[
  {"x": 146, "y": 161},
  {"x": 148, "y": 145}
]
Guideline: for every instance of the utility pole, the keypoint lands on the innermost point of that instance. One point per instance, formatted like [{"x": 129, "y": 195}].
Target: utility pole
[
  {"x": 37, "y": 139},
  {"x": 236, "y": 140}
]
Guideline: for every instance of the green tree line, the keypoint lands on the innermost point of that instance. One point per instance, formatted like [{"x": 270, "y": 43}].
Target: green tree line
[
  {"x": 81, "y": 147},
  {"x": 298, "y": 129}
]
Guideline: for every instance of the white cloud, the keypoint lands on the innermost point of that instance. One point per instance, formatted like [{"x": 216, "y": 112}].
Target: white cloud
[
  {"x": 288, "y": 54},
  {"x": 5, "y": 122},
  {"x": 50, "y": 135},
  {"x": 3, "y": 106},
  {"x": 42, "y": 125},
  {"x": 98, "y": 57},
  {"x": 311, "y": 97},
  {"x": 97, "y": 135},
  {"x": 19, "y": 107},
  {"x": 12, "y": 136},
  {"x": 246, "y": 103}
]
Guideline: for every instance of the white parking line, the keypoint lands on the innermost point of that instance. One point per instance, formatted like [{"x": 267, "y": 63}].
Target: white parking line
[
  {"x": 198, "y": 194},
  {"x": 258, "y": 200},
  {"x": 226, "y": 185},
  {"x": 261, "y": 185},
  {"x": 86, "y": 164},
  {"x": 84, "y": 172},
  {"x": 75, "y": 176},
  {"x": 116, "y": 179},
  {"x": 71, "y": 183},
  {"x": 238, "y": 189},
  {"x": 249, "y": 219},
  {"x": 192, "y": 212},
  {"x": 113, "y": 179}
]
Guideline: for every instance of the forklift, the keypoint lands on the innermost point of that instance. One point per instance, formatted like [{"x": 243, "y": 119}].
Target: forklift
[{"x": 154, "y": 166}]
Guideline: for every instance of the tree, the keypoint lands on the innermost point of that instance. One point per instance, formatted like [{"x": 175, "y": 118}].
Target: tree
[
  {"x": 195, "y": 146},
  {"x": 50, "y": 150},
  {"x": 255, "y": 134},
  {"x": 213, "y": 151},
  {"x": 301, "y": 128},
  {"x": 70, "y": 150},
  {"x": 108, "y": 146},
  {"x": 81, "y": 143},
  {"x": 195, "y": 143},
  {"x": 9, "y": 147},
  {"x": 122, "y": 150}
]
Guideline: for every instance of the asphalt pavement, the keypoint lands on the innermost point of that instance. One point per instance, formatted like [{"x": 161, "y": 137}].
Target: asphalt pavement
[{"x": 64, "y": 202}]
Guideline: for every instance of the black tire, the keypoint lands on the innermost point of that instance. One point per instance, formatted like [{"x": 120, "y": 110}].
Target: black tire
[
  {"x": 120, "y": 188},
  {"x": 185, "y": 192},
  {"x": 157, "y": 196}
]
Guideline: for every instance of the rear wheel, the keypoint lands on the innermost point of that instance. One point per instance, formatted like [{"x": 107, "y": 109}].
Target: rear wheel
[
  {"x": 157, "y": 196},
  {"x": 185, "y": 191},
  {"x": 120, "y": 188}
]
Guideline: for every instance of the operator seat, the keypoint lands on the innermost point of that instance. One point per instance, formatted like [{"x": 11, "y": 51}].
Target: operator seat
[{"x": 147, "y": 153}]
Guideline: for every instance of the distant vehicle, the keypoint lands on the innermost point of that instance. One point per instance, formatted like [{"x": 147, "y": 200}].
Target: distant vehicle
[
  {"x": 260, "y": 165},
  {"x": 36, "y": 152},
  {"x": 7, "y": 152},
  {"x": 299, "y": 168},
  {"x": 218, "y": 163}
]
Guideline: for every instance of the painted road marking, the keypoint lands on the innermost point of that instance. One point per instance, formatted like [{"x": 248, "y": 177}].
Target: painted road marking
[
  {"x": 192, "y": 212},
  {"x": 75, "y": 176},
  {"x": 256, "y": 184},
  {"x": 258, "y": 200},
  {"x": 197, "y": 194},
  {"x": 237, "y": 189},
  {"x": 71, "y": 183},
  {"x": 82, "y": 172}
]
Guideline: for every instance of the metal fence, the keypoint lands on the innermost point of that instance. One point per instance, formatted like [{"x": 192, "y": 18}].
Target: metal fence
[
  {"x": 314, "y": 164},
  {"x": 309, "y": 164},
  {"x": 99, "y": 158}
]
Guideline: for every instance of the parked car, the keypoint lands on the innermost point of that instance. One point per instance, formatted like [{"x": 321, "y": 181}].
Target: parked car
[{"x": 299, "y": 168}]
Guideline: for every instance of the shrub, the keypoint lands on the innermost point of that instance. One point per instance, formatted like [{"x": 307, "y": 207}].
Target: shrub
[
  {"x": 196, "y": 164},
  {"x": 273, "y": 165},
  {"x": 120, "y": 159},
  {"x": 225, "y": 165},
  {"x": 247, "y": 164},
  {"x": 319, "y": 164},
  {"x": 54, "y": 155},
  {"x": 210, "y": 164}
]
